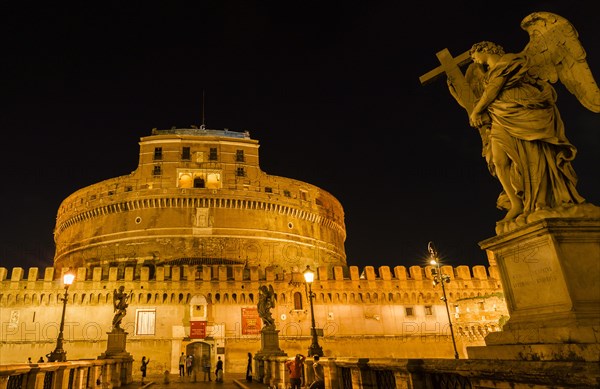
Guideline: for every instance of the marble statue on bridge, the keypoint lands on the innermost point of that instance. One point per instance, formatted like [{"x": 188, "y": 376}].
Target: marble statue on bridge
[{"x": 510, "y": 99}]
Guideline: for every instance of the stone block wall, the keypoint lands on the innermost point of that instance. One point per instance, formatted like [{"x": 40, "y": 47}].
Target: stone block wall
[{"x": 399, "y": 309}]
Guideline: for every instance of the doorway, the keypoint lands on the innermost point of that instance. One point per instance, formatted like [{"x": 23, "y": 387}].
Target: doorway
[{"x": 201, "y": 352}]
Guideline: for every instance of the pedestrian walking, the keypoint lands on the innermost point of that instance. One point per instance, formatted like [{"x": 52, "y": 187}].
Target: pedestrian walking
[
  {"x": 249, "y": 368},
  {"x": 182, "y": 365},
  {"x": 219, "y": 370},
  {"x": 189, "y": 362},
  {"x": 206, "y": 367}
]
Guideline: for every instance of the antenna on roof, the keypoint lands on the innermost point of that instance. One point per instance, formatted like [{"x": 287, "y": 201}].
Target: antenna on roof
[{"x": 203, "y": 124}]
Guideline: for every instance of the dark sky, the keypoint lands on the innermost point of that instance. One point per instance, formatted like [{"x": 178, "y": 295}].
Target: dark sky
[{"x": 330, "y": 89}]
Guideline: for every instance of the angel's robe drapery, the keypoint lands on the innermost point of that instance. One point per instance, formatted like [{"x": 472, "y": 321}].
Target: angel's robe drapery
[{"x": 527, "y": 126}]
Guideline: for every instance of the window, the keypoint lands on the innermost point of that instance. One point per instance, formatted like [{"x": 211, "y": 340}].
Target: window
[
  {"x": 185, "y": 154},
  {"x": 240, "y": 172},
  {"x": 213, "y": 154},
  {"x": 287, "y": 193},
  {"x": 158, "y": 153},
  {"x": 199, "y": 182},
  {"x": 268, "y": 189},
  {"x": 157, "y": 170},
  {"x": 409, "y": 311},
  {"x": 303, "y": 195},
  {"x": 239, "y": 155},
  {"x": 481, "y": 306},
  {"x": 428, "y": 310},
  {"x": 145, "y": 322},
  {"x": 298, "y": 301}
]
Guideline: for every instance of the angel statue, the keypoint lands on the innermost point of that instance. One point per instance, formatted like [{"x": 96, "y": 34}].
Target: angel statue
[
  {"x": 266, "y": 301},
  {"x": 513, "y": 104},
  {"x": 120, "y": 304}
]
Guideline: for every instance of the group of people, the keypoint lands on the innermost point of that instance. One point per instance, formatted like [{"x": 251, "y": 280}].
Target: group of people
[
  {"x": 186, "y": 367},
  {"x": 295, "y": 369},
  {"x": 41, "y": 360},
  {"x": 185, "y": 363}
]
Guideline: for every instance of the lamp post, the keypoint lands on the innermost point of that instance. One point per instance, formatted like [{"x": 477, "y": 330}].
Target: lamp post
[
  {"x": 60, "y": 355},
  {"x": 441, "y": 278},
  {"x": 314, "y": 349}
]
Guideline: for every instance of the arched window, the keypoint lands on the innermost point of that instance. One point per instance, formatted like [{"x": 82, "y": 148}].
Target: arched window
[
  {"x": 198, "y": 182},
  {"x": 185, "y": 181},
  {"x": 297, "y": 300}
]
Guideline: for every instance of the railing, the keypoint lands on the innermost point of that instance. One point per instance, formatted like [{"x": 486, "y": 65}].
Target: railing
[
  {"x": 84, "y": 374},
  {"x": 384, "y": 373}
]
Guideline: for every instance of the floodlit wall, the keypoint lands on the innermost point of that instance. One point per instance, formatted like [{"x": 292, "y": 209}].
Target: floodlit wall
[{"x": 366, "y": 312}]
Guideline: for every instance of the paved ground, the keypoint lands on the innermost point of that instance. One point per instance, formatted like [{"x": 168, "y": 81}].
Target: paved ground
[{"x": 230, "y": 381}]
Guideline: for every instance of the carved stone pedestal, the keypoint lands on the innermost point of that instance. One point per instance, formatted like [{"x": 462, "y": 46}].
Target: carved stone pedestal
[
  {"x": 269, "y": 342},
  {"x": 117, "y": 340},
  {"x": 550, "y": 271},
  {"x": 115, "y": 349}
]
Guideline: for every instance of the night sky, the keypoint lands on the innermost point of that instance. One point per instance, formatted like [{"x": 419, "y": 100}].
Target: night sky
[{"x": 330, "y": 89}]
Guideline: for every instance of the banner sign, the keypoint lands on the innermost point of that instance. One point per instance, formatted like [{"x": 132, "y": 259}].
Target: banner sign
[
  {"x": 251, "y": 323},
  {"x": 197, "y": 329}
]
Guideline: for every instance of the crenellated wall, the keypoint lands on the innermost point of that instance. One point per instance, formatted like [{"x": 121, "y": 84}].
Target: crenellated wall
[
  {"x": 398, "y": 309},
  {"x": 239, "y": 285},
  {"x": 254, "y": 273}
]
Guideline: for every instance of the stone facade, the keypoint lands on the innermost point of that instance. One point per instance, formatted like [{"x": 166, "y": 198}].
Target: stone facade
[
  {"x": 199, "y": 197},
  {"x": 192, "y": 234},
  {"x": 364, "y": 313}
]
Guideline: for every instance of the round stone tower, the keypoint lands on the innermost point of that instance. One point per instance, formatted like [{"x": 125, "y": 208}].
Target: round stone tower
[{"x": 199, "y": 197}]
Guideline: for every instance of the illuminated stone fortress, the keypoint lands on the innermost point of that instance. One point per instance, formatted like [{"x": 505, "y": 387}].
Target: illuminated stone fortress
[
  {"x": 193, "y": 233},
  {"x": 199, "y": 197}
]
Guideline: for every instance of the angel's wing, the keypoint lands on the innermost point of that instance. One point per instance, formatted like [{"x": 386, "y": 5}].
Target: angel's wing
[{"x": 555, "y": 53}]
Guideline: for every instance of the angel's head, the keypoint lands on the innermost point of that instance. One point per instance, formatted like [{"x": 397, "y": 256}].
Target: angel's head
[{"x": 487, "y": 47}]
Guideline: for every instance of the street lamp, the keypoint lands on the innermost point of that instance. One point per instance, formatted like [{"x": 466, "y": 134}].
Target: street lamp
[
  {"x": 60, "y": 355},
  {"x": 314, "y": 349},
  {"x": 441, "y": 278}
]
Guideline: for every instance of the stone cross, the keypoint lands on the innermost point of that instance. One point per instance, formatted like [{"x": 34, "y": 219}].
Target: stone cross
[
  {"x": 450, "y": 66},
  {"x": 460, "y": 88}
]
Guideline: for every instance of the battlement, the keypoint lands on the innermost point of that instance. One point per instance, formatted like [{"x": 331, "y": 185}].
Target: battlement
[
  {"x": 231, "y": 284},
  {"x": 245, "y": 273},
  {"x": 394, "y": 307}
]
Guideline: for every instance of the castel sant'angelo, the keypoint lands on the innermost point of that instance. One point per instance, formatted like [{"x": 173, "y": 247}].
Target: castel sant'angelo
[{"x": 193, "y": 233}]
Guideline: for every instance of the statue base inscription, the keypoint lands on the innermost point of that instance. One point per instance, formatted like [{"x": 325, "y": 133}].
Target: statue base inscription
[{"x": 550, "y": 271}]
